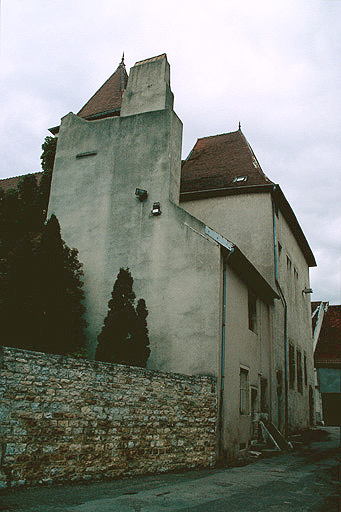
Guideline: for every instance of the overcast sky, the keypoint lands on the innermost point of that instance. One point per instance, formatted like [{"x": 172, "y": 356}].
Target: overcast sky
[{"x": 272, "y": 65}]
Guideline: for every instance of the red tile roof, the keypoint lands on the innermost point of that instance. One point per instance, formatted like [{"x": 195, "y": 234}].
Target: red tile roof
[
  {"x": 8, "y": 183},
  {"x": 107, "y": 100},
  {"x": 216, "y": 161},
  {"x": 328, "y": 348}
]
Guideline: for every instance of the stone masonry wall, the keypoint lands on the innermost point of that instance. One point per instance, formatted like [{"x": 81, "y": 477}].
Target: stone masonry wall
[{"x": 66, "y": 419}]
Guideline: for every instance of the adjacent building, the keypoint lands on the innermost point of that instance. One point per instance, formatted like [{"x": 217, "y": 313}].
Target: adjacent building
[{"x": 327, "y": 358}]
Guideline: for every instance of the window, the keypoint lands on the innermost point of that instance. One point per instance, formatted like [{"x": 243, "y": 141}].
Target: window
[
  {"x": 305, "y": 369},
  {"x": 292, "y": 372},
  {"x": 244, "y": 391},
  {"x": 239, "y": 179},
  {"x": 252, "y": 309},
  {"x": 299, "y": 371},
  {"x": 288, "y": 263}
]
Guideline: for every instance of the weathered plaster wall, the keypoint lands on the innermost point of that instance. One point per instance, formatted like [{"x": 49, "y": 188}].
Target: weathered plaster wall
[
  {"x": 247, "y": 349},
  {"x": 293, "y": 278},
  {"x": 245, "y": 220},
  {"x": 174, "y": 269},
  {"x": 64, "y": 419}
]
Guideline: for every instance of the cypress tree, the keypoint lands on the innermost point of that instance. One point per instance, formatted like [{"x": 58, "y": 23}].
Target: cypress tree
[
  {"x": 47, "y": 157},
  {"x": 124, "y": 336},
  {"x": 61, "y": 292}
]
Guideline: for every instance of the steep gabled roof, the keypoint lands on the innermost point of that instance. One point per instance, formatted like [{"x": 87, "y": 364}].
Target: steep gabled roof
[
  {"x": 107, "y": 100},
  {"x": 328, "y": 350},
  {"x": 215, "y": 162}
]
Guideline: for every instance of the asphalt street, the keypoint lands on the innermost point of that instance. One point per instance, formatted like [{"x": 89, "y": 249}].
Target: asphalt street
[{"x": 305, "y": 480}]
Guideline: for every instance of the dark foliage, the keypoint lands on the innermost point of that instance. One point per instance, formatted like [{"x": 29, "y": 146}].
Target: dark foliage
[
  {"x": 124, "y": 337},
  {"x": 40, "y": 277},
  {"x": 47, "y": 161},
  {"x": 49, "y": 153},
  {"x": 61, "y": 293}
]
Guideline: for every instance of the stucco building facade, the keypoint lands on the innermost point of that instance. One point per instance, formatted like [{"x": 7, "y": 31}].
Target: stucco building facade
[{"x": 212, "y": 244}]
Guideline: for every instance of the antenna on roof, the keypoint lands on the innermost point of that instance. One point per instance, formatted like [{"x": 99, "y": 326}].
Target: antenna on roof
[{"x": 239, "y": 126}]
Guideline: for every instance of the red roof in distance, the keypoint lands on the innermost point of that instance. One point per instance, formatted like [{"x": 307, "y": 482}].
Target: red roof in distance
[{"x": 329, "y": 343}]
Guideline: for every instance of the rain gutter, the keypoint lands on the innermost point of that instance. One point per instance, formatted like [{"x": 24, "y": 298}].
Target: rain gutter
[{"x": 285, "y": 306}]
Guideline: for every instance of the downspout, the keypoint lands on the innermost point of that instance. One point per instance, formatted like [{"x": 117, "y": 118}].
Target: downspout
[
  {"x": 222, "y": 363},
  {"x": 286, "y": 373}
]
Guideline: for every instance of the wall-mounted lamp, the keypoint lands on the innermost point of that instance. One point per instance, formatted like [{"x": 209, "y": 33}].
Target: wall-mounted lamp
[
  {"x": 307, "y": 290},
  {"x": 141, "y": 194},
  {"x": 156, "y": 210}
]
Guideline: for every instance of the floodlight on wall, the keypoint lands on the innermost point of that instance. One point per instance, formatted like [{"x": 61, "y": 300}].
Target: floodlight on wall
[
  {"x": 141, "y": 194},
  {"x": 156, "y": 210},
  {"x": 307, "y": 290}
]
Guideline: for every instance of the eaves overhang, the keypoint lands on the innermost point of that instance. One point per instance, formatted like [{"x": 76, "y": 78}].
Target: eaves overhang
[
  {"x": 243, "y": 267},
  {"x": 283, "y": 205},
  {"x": 226, "y": 191}
]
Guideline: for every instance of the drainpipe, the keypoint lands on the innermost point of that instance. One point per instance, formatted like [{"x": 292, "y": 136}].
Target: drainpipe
[
  {"x": 286, "y": 365},
  {"x": 222, "y": 364}
]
